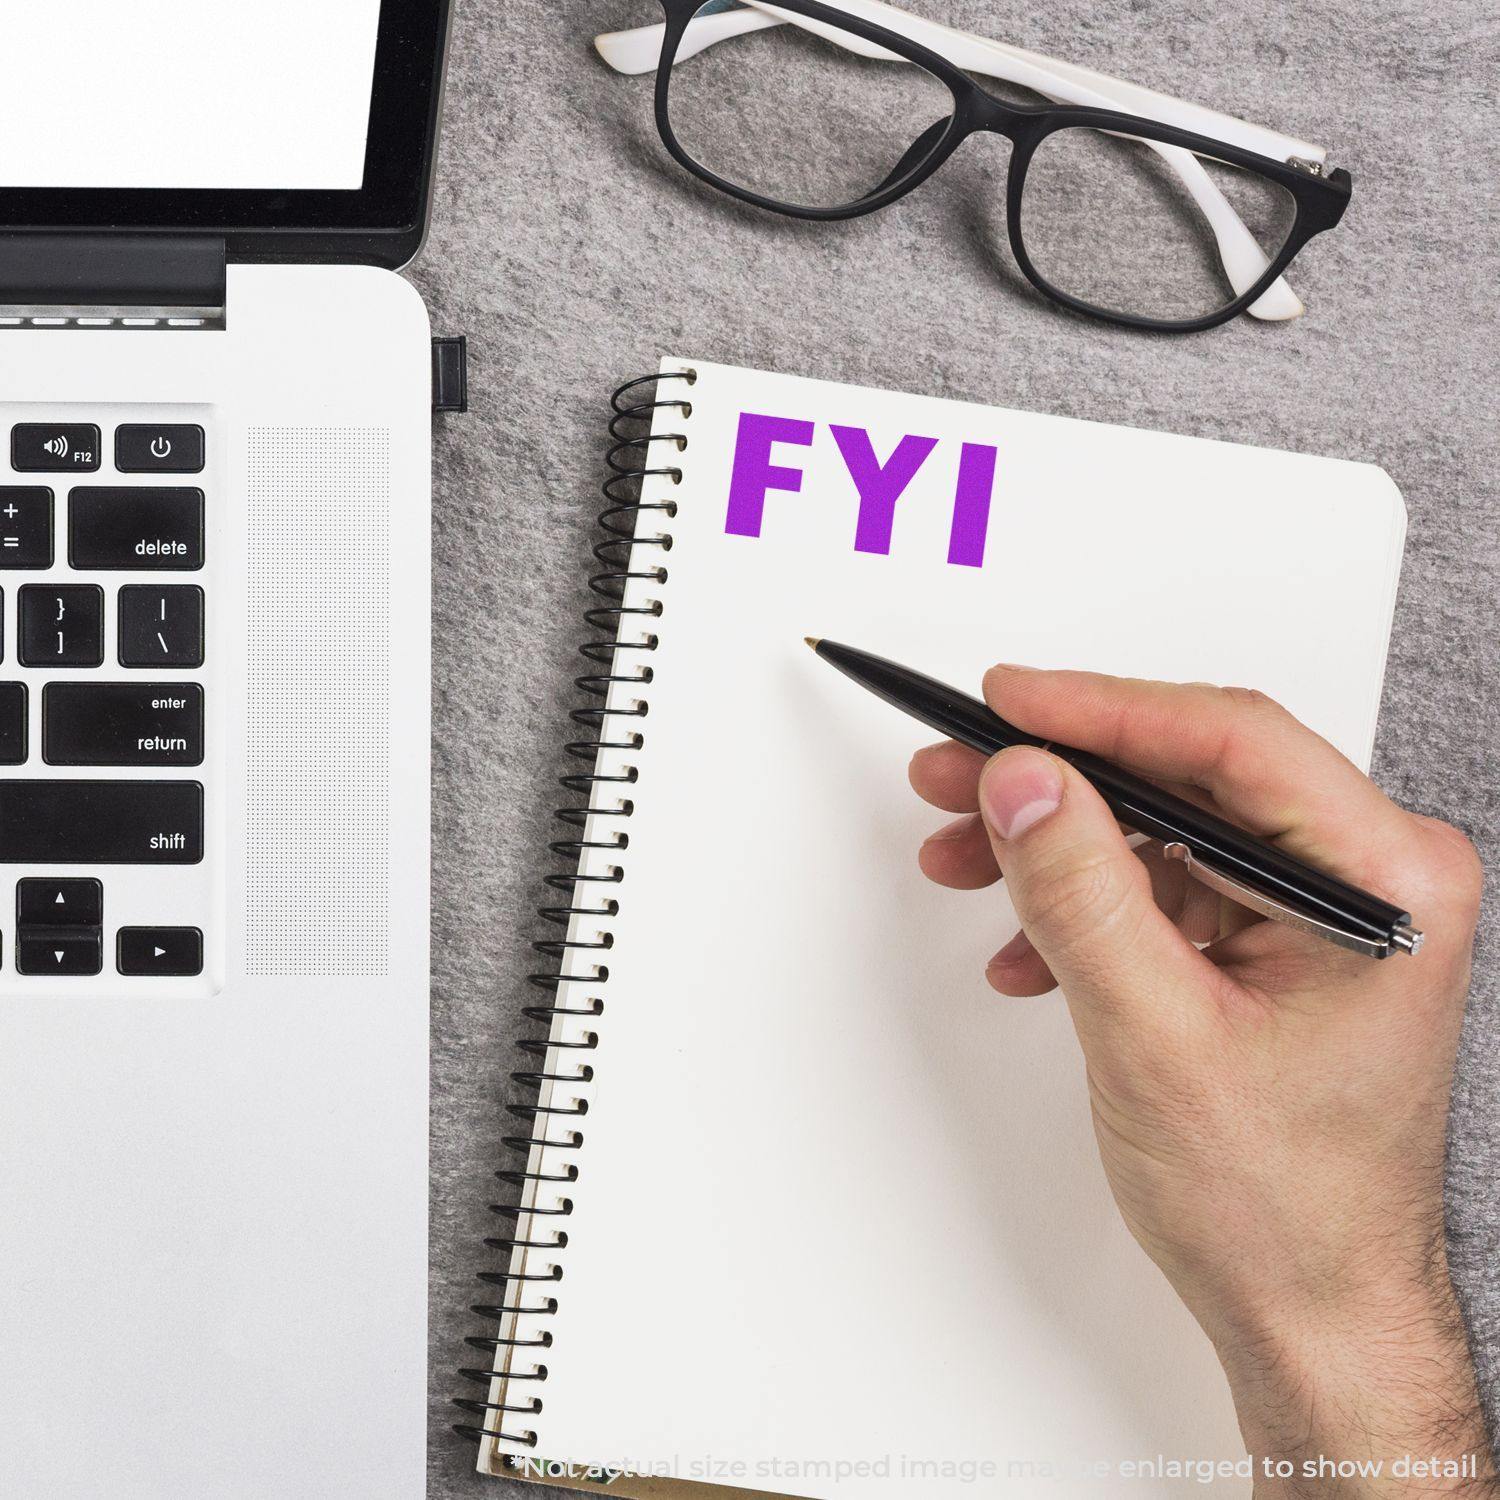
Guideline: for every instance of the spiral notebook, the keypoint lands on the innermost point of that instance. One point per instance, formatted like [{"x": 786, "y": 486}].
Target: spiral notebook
[{"x": 804, "y": 1207}]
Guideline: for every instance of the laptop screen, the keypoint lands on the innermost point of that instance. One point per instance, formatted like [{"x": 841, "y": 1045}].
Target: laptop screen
[
  {"x": 187, "y": 93},
  {"x": 295, "y": 129}
]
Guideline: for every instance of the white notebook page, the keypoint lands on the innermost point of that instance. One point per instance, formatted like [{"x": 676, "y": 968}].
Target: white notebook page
[{"x": 840, "y": 1227}]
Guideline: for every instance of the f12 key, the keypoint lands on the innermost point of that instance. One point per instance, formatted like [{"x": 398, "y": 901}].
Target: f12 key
[{"x": 54, "y": 447}]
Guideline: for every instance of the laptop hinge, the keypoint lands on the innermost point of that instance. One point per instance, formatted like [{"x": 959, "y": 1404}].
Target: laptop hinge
[{"x": 111, "y": 280}]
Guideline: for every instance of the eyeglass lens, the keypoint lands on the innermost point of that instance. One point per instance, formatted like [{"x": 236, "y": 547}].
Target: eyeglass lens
[
  {"x": 1130, "y": 226},
  {"x": 790, "y": 116}
]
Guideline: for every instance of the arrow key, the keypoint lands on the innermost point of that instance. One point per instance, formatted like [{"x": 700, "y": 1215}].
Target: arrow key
[
  {"x": 58, "y": 950},
  {"x": 159, "y": 951},
  {"x": 59, "y": 903}
]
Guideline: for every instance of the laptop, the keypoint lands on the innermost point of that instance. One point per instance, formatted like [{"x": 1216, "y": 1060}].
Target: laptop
[{"x": 215, "y": 455}]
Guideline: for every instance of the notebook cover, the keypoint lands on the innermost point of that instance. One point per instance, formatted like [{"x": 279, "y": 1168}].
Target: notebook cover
[{"x": 838, "y": 1206}]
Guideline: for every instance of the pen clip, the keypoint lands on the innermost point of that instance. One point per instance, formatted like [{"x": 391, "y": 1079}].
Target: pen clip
[{"x": 1268, "y": 906}]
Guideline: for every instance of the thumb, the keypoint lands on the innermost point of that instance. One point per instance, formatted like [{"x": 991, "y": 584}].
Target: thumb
[{"x": 1083, "y": 897}]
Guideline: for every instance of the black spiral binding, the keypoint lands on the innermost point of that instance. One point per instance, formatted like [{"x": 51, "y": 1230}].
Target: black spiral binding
[{"x": 631, "y": 461}]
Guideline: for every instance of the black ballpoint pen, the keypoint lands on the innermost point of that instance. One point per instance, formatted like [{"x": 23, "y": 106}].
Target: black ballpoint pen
[{"x": 1235, "y": 863}]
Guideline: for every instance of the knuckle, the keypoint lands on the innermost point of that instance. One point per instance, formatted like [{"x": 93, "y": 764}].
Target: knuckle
[
  {"x": 1243, "y": 738},
  {"x": 1463, "y": 870},
  {"x": 1442, "y": 862},
  {"x": 1254, "y": 700}
]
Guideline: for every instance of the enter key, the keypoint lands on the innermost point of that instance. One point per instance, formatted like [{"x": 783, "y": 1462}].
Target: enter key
[{"x": 122, "y": 724}]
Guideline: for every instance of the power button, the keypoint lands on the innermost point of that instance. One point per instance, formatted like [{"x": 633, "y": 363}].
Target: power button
[{"x": 148, "y": 448}]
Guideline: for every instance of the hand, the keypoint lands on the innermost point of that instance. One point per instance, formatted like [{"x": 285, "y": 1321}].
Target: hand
[{"x": 1270, "y": 1110}]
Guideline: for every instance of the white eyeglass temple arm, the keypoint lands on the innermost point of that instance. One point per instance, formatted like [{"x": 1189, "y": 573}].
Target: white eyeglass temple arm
[{"x": 638, "y": 50}]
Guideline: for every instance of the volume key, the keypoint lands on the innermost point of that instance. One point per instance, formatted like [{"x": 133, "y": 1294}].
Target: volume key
[{"x": 54, "y": 447}]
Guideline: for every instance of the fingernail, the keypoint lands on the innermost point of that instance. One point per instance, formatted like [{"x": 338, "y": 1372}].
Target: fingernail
[
  {"x": 1018, "y": 789},
  {"x": 1013, "y": 952},
  {"x": 954, "y": 830},
  {"x": 994, "y": 677}
]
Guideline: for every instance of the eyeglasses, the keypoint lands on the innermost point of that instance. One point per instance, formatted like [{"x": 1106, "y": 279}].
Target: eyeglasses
[{"x": 1121, "y": 203}]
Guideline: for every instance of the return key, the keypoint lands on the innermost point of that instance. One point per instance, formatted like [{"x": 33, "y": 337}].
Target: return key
[{"x": 122, "y": 724}]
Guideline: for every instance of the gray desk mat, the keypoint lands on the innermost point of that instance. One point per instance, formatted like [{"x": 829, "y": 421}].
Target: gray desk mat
[{"x": 573, "y": 254}]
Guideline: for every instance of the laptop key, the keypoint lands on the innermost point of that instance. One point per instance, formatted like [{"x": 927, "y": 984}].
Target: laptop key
[
  {"x": 54, "y": 447},
  {"x": 25, "y": 526},
  {"x": 13, "y": 723},
  {"x": 70, "y": 902},
  {"x": 159, "y": 950},
  {"x": 61, "y": 625},
  {"x": 122, "y": 724},
  {"x": 158, "y": 448},
  {"x": 101, "y": 822},
  {"x": 116, "y": 529},
  {"x": 161, "y": 625},
  {"x": 59, "y": 950}
]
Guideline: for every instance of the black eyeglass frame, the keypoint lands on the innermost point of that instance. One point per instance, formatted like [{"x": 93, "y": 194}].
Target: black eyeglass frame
[{"x": 1320, "y": 201}]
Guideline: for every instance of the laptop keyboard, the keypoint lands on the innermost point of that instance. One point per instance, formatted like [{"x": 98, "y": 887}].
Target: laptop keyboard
[{"x": 107, "y": 684}]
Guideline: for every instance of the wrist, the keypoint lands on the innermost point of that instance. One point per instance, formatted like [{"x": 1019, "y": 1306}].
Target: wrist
[{"x": 1373, "y": 1395}]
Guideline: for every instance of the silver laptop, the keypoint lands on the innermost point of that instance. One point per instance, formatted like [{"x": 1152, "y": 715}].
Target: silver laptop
[{"x": 215, "y": 409}]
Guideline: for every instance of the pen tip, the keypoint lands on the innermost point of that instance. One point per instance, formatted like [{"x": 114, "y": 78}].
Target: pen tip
[{"x": 812, "y": 641}]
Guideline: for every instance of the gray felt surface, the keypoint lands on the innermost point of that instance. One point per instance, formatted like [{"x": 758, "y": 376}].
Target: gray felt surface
[{"x": 573, "y": 254}]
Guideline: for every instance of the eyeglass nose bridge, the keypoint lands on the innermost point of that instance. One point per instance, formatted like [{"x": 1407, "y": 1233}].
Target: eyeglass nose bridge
[{"x": 980, "y": 112}]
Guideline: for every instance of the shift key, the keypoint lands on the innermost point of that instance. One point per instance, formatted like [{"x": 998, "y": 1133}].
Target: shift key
[
  {"x": 135, "y": 528},
  {"x": 101, "y": 822}
]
